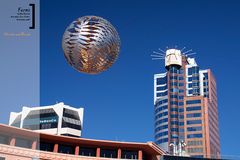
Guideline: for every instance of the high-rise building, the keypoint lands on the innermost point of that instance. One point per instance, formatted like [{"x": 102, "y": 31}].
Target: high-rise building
[
  {"x": 58, "y": 119},
  {"x": 185, "y": 101}
]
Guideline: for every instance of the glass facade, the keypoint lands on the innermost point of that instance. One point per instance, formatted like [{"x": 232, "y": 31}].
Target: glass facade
[{"x": 41, "y": 119}]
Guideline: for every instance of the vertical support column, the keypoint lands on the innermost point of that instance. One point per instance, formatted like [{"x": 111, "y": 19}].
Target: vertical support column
[
  {"x": 34, "y": 145},
  {"x": 77, "y": 150},
  {"x": 55, "y": 149},
  {"x": 98, "y": 152},
  {"x": 140, "y": 154},
  {"x": 12, "y": 141},
  {"x": 119, "y": 153}
]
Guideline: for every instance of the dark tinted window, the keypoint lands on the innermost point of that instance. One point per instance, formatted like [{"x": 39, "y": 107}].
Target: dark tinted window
[
  {"x": 45, "y": 146},
  {"x": 129, "y": 154},
  {"x": 25, "y": 143},
  {"x": 4, "y": 139},
  {"x": 87, "y": 151},
  {"x": 109, "y": 153},
  {"x": 66, "y": 149}
]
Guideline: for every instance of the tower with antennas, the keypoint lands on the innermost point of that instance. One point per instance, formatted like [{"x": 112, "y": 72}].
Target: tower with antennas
[{"x": 185, "y": 103}]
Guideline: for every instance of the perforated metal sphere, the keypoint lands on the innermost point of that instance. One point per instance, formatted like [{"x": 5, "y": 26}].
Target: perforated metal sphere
[{"x": 91, "y": 44}]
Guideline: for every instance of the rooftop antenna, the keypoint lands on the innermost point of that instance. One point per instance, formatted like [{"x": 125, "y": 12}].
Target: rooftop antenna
[
  {"x": 191, "y": 54},
  {"x": 158, "y": 55},
  {"x": 183, "y": 49},
  {"x": 188, "y": 51},
  {"x": 161, "y": 50}
]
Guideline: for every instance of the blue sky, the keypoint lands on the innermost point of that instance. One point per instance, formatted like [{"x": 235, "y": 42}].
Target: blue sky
[{"x": 119, "y": 102}]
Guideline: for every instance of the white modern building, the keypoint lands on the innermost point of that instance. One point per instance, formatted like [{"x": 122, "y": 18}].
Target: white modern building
[{"x": 58, "y": 119}]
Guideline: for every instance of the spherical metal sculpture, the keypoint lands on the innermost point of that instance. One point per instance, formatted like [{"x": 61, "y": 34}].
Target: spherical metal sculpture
[{"x": 91, "y": 44}]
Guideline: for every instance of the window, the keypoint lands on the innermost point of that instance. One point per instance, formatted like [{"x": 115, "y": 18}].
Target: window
[
  {"x": 181, "y": 123},
  {"x": 161, "y": 127},
  {"x": 161, "y": 102},
  {"x": 161, "y": 121},
  {"x": 161, "y": 114},
  {"x": 162, "y": 140},
  {"x": 45, "y": 146},
  {"x": 4, "y": 139},
  {"x": 194, "y": 108},
  {"x": 173, "y": 96},
  {"x": 181, "y": 84},
  {"x": 173, "y": 103},
  {"x": 181, "y": 91},
  {"x": 194, "y": 122},
  {"x": 161, "y": 88},
  {"x": 66, "y": 149},
  {"x": 174, "y": 116},
  {"x": 109, "y": 153},
  {"x": 180, "y": 97},
  {"x": 190, "y": 91},
  {"x": 174, "y": 122},
  {"x": 70, "y": 114},
  {"x": 189, "y": 85},
  {"x": 161, "y": 134},
  {"x": 25, "y": 143},
  {"x": 174, "y": 129},
  {"x": 162, "y": 94},
  {"x": 129, "y": 154},
  {"x": 189, "y": 79},
  {"x": 193, "y": 101},
  {"x": 195, "y": 150},
  {"x": 161, "y": 108},
  {"x": 194, "y": 135},
  {"x": 181, "y": 109},
  {"x": 190, "y": 115},
  {"x": 189, "y": 71},
  {"x": 194, "y": 143},
  {"x": 161, "y": 81},
  {"x": 84, "y": 151},
  {"x": 180, "y": 78},
  {"x": 199, "y": 128},
  {"x": 180, "y": 103}
]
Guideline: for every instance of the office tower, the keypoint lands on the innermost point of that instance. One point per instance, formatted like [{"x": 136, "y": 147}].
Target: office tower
[
  {"x": 58, "y": 119},
  {"x": 185, "y": 103}
]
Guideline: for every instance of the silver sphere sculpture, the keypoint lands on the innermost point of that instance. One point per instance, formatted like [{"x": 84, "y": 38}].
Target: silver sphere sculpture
[{"x": 91, "y": 44}]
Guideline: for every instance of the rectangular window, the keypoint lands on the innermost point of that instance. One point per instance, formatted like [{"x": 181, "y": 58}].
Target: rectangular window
[
  {"x": 189, "y": 79},
  {"x": 108, "y": 153},
  {"x": 22, "y": 142},
  {"x": 191, "y": 129},
  {"x": 194, "y": 135},
  {"x": 161, "y": 81},
  {"x": 66, "y": 149},
  {"x": 190, "y": 91},
  {"x": 189, "y": 85},
  {"x": 181, "y": 91},
  {"x": 180, "y": 103},
  {"x": 129, "y": 154},
  {"x": 189, "y": 71},
  {"x": 195, "y": 108},
  {"x": 180, "y": 97},
  {"x": 84, "y": 151},
  {"x": 181, "y": 109},
  {"x": 193, "y": 101},
  {"x": 162, "y": 88},
  {"x": 194, "y": 122},
  {"x": 190, "y": 115},
  {"x": 194, "y": 143},
  {"x": 181, "y": 84},
  {"x": 181, "y": 123},
  {"x": 4, "y": 139},
  {"x": 161, "y": 94}
]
